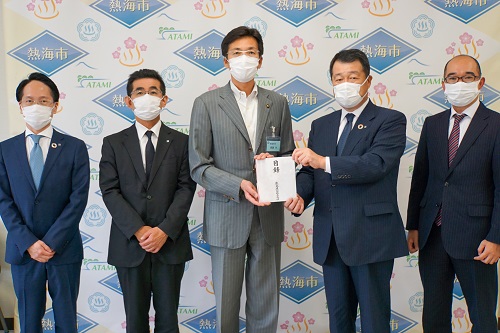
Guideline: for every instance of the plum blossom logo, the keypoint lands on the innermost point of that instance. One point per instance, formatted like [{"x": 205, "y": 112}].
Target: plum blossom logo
[
  {"x": 201, "y": 193},
  {"x": 460, "y": 322},
  {"x": 383, "y": 96},
  {"x": 298, "y": 137},
  {"x": 44, "y": 9},
  {"x": 299, "y": 239},
  {"x": 422, "y": 26},
  {"x": 300, "y": 324},
  {"x": 207, "y": 285},
  {"x": 98, "y": 302},
  {"x": 257, "y": 23},
  {"x": 173, "y": 76},
  {"x": 211, "y": 8},
  {"x": 298, "y": 54},
  {"x": 468, "y": 45},
  {"x": 378, "y": 7},
  {"x": 92, "y": 124},
  {"x": 132, "y": 55},
  {"x": 89, "y": 30}
]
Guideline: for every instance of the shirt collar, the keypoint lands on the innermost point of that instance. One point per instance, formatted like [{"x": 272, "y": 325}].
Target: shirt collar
[
  {"x": 141, "y": 129},
  {"x": 470, "y": 111},
  {"x": 356, "y": 112},
  {"x": 46, "y": 132},
  {"x": 238, "y": 94}
]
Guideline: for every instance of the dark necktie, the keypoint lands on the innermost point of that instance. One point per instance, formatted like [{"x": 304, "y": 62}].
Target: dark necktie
[
  {"x": 150, "y": 154},
  {"x": 452, "y": 151},
  {"x": 36, "y": 160},
  {"x": 345, "y": 133}
]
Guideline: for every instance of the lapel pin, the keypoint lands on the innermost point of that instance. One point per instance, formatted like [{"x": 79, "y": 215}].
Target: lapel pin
[
  {"x": 267, "y": 106},
  {"x": 361, "y": 126},
  {"x": 54, "y": 145},
  {"x": 168, "y": 141}
]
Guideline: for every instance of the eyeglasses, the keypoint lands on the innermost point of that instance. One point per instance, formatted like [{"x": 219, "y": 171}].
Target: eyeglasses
[
  {"x": 141, "y": 92},
  {"x": 42, "y": 102},
  {"x": 466, "y": 78},
  {"x": 237, "y": 53}
]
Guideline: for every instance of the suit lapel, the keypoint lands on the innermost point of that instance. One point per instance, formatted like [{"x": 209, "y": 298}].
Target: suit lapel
[
  {"x": 263, "y": 108},
  {"x": 229, "y": 105},
  {"x": 360, "y": 129},
  {"x": 55, "y": 149},
  {"x": 131, "y": 144},
  {"x": 476, "y": 126},
  {"x": 22, "y": 159},
  {"x": 164, "y": 141}
]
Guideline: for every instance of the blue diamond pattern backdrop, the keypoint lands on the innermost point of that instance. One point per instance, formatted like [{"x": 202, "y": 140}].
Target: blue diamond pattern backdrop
[{"x": 90, "y": 47}]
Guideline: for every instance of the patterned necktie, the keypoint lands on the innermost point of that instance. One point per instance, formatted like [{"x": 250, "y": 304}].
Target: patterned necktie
[
  {"x": 452, "y": 151},
  {"x": 345, "y": 133},
  {"x": 36, "y": 160},
  {"x": 150, "y": 154}
]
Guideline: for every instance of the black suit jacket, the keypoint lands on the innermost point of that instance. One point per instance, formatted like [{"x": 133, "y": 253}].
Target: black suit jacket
[
  {"x": 162, "y": 202},
  {"x": 468, "y": 190}
]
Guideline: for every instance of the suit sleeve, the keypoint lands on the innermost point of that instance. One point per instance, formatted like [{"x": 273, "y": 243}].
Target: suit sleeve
[
  {"x": 124, "y": 216},
  {"x": 305, "y": 177},
  {"x": 383, "y": 155},
  {"x": 494, "y": 233},
  {"x": 67, "y": 224},
  {"x": 178, "y": 210},
  {"x": 418, "y": 181},
  {"x": 203, "y": 169},
  {"x": 11, "y": 216}
]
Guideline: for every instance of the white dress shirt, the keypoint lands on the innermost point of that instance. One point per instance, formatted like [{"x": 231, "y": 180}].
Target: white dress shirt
[
  {"x": 343, "y": 122},
  {"x": 248, "y": 108},
  {"x": 465, "y": 122},
  {"x": 44, "y": 141},
  {"x": 143, "y": 138}
]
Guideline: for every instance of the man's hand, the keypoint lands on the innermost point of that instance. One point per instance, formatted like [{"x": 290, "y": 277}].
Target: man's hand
[
  {"x": 142, "y": 230},
  {"x": 153, "y": 239},
  {"x": 262, "y": 156},
  {"x": 307, "y": 157},
  {"x": 295, "y": 205},
  {"x": 412, "y": 241},
  {"x": 40, "y": 252},
  {"x": 488, "y": 252},
  {"x": 251, "y": 193}
]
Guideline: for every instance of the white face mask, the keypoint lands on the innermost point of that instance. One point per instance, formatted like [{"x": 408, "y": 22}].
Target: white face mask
[
  {"x": 37, "y": 116},
  {"x": 461, "y": 93},
  {"x": 243, "y": 68},
  {"x": 147, "y": 107},
  {"x": 347, "y": 94}
]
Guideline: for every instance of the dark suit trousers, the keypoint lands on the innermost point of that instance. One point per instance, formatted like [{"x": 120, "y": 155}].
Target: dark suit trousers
[
  {"x": 137, "y": 284},
  {"x": 30, "y": 285},
  {"x": 346, "y": 286},
  {"x": 478, "y": 282}
]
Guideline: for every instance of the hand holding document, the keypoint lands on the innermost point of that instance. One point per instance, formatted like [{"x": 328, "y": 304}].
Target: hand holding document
[{"x": 275, "y": 179}]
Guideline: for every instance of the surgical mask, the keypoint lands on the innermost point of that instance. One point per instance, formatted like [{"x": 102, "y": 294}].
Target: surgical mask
[
  {"x": 461, "y": 93},
  {"x": 147, "y": 107},
  {"x": 347, "y": 94},
  {"x": 243, "y": 68},
  {"x": 37, "y": 116}
]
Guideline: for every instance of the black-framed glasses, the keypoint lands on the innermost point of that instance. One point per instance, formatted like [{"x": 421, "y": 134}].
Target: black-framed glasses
[
  {"x": 141, "y": 92},
  {"x": 466, "y": 78}
]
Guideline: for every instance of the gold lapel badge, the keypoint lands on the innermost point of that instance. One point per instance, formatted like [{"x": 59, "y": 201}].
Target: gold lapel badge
[
  {"x": 53, "y": 145},
  {"x": 361, "y": 126}
]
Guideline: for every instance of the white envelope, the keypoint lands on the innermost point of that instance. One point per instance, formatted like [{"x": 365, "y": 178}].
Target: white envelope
[{"x": 276, "y": 179}]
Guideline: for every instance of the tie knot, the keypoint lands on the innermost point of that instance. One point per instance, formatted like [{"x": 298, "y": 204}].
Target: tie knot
[
  {"x": 459, "y": 117},
  {"x": 36, "y": 138},
  {"x": 148, "y": 134},
  {"x": 349, "y": 117}
]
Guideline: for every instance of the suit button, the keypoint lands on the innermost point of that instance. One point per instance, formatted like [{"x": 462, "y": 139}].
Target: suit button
[
  {"x": 437, "y": 205},
  {"x": 333, "y": 185},
  {"x": 446, "y": 184},
  {"x": 250, "y": 149},
  {"x": 37, "y": 202},
  {"x": 148, "y": 197}
]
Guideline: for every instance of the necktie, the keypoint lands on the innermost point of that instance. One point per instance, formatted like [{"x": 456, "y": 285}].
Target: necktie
[
  {"x": 36, "y": 160},
  {"x": 452, "y": 151},
  {"x": 345, "y": 133},
  {"x": 150, "y": 154}
]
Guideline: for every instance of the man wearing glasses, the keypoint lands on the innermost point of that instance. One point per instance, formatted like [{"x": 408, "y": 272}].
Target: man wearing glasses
[
  {"x": 145, "y": 184},
  {"x": 44, "y": 185},
  {"x": 230, "y": 127},
  {"x": 454, "y": 205}
]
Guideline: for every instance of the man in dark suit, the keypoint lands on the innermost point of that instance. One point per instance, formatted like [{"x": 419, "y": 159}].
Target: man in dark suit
[
  {"x": 145, "y": 184},
  {"x": 44, "y": 185},
  {"x": 358, "y": 230},
  {"x": 454, "y": 205}
]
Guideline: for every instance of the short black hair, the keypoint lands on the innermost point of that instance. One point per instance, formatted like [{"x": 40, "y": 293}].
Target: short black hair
[
  {"x": 145, "y": 74},
  {"x": 36, "y": 76},
  {"x": 241, "y": 32},
  {"x": 351, "y": 55},
  {"x": 462, "y": 55}
]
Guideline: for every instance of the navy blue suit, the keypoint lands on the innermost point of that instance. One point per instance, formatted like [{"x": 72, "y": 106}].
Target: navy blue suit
[
  {"x": 358, "y": 229},
  {"x": 51, "y": 214},
  {"x": 469, "y": 193}
]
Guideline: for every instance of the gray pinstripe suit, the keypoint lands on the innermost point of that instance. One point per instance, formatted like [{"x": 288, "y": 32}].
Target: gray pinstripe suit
[{"x": 221, "y": 156}]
